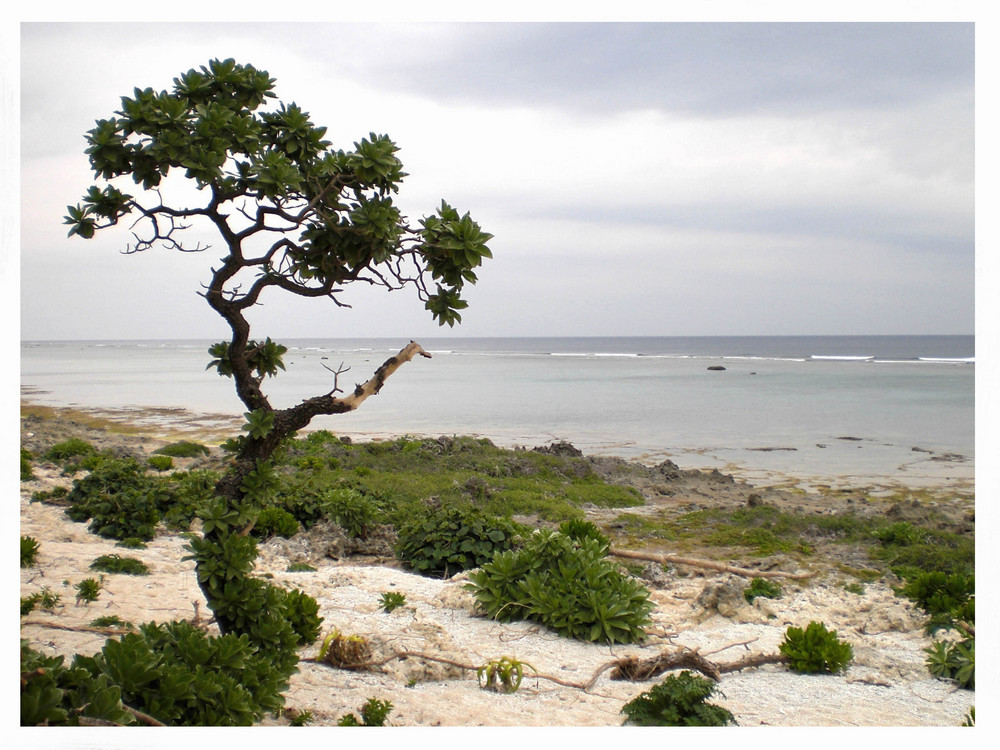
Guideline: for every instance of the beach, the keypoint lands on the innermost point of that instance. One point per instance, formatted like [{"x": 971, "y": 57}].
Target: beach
[{"x": 887, "y": 684}]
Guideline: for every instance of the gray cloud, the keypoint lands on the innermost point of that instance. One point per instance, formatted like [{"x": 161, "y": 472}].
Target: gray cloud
[
  {"x": 639, "y": 178},
  {"x": 714, "y": 69}
]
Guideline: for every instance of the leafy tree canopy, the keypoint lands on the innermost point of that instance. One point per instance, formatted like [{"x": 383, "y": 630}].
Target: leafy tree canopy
[{"x": 294, "y": 212}]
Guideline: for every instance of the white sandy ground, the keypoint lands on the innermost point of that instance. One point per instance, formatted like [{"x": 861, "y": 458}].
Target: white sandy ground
[{"x": 886, "y": 685}]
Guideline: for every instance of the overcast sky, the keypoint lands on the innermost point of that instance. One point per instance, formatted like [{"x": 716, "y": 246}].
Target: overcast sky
[{"x": 640, "y": 179}]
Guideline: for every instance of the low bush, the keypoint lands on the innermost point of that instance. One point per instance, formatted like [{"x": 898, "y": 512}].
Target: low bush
[
  {"x": 761, "y": 587},
  {"x": 355, "y": 513},
  {"x": 946, "y": 598},
  {"x": 118, "y": 564},
  {"x": 88, "y": 590},
  {"x": 453, "y": 539},
  {"x": 565, "y": 584},
  {"x": 678, "y": 701},
  {"x": 578, "y": 528},
  {"x": 29, "y": 551},
  {"x": 374, "y": 713},
  {"x": 954, "y": 660},
  {"x": 815, "y": 650},
  {"x": 173, "y": 672},
  {"x": 275, "y": 521},
  {"x": 391, "y": 600},
  {"x": 183, "y": 449},
  {"x": 119, "y": 499},
  {"x": 72, "y": 448},
  {"x": 161, "y": 463},
  {"x": 27, "y": 473}
]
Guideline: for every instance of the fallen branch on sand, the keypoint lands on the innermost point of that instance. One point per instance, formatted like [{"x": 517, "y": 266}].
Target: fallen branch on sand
[
  {"x": 708, "y": 564},
  {"x": 630, "y": 668}
]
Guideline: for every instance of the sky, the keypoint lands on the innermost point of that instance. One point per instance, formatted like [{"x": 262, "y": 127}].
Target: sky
[{"x": 649, "y": 178}]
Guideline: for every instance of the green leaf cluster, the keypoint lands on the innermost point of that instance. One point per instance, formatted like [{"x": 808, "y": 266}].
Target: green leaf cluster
[
  {"x": 503, "y": 675},
  {"x": 72, "y": 448},
  {"x": 679, "y": 701},
  {"x": 183, "y": 449},
  {"x": 29, "y": 551},
  {"x": 120, "y": 500},
  {"x": 263, "y": 358},
  {"x": 338, "y": 204},
  {"x": 173, "y": 671},
  {"x": 566, "y": 584},
  {"x": 954, "y": 660},
  {"x": 275, "y": 522},
  {"x": 815, "y": 649},
  {"x": 118, "y": 564},
  {"x": 88, "y": 590},
  {"x": 452, "y": 539},
  {"x": 27, "y": 473},
  {"x": 374, "y": 713},
  {"x": 947, "y": 598},
  {"x": 53, "y": 694},
  {"x": 355, "y": 513},
  {"x": 763, "y": 588},
  {"x": 391, "y": 600}
]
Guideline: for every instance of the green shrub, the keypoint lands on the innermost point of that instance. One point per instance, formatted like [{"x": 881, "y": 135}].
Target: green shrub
[
  {"x": 678, "y": 701},
  {"x": 189, "y": 491},
  {"x": 391, "y": 600},
  {"x": 27, "y": 473},
  {"x": 815, "y": 649},
  {"x": 578, "y": 528},
  {"x": 275, "y": 521},
  {"x": 161, "y": 463},
  {"x": 88, "y": 590},
  {"x": 28, "y": 603},
  {"x": 939, "y": 593},
  {"x": 355, "y": 513},
  {"x": 373, "y": 714},
  {"x": 302, "y": 611},
  {"x": 120, "y": 500},
  {"x": 567, "y": 585},
  {"x": 300, "y": 567},
  {"x": 763, "y": 588},
  {"x": 29, "y": 551},
  {"x": 173, "y": 672},
  {"x": 111, "y": 621},
  {"x": 117, "y": 564},
  {"x": 954, "y": 661},
  {"x": 453, "y": 539},
  {"x": 71, "y": 448},
  {"x": 183, "y": 449}
]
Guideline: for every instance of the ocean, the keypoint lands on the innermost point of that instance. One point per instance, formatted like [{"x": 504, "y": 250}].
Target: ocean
[{"x": 874, "y": 409}]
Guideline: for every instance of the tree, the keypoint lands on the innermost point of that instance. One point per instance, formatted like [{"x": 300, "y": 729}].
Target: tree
[{"x": 293, "y": 215}]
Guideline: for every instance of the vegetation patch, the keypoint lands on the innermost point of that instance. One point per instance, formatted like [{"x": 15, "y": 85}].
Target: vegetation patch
[
  {"x": 117, "y": 564},
  {"x": 183, "y": 449},
  {"x": 452, "y": 539},
  {"x": 566, "y": 584},
  {"x": 815, "y": 649},
  {"x": 679, "y": 701}
]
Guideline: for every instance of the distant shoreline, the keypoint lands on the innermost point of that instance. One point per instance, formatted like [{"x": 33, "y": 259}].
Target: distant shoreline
[{"x": 948, "y": 474}]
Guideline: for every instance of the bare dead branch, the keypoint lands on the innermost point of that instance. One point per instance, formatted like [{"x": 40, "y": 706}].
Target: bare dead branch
[{"x": 708, "y": 564}]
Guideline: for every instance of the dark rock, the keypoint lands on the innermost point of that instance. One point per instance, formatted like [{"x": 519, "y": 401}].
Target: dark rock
[
  {"x": 717, "y": 368},
  {"x": 560, "y": 448}
]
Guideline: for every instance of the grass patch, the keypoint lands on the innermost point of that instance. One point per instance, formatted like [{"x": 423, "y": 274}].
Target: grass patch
[{"x": 405, "y": 473}]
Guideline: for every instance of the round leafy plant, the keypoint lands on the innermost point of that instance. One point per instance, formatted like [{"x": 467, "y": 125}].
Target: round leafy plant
[
  {"x": 815, "y": 649},
  {"x": 678, "y": 701},
  {"x": 453, "y": 539},
  {"x": 565, "y": 584}
]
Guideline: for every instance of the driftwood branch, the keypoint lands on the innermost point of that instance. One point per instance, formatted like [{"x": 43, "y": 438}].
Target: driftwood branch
[
  {"x": 631, "y": 669},
  {"x": 708, "y": 564}
]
